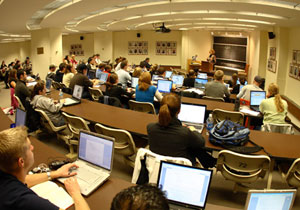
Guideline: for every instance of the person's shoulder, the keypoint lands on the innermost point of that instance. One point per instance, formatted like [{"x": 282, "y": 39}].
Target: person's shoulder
[{"x": 152, "y": 126}]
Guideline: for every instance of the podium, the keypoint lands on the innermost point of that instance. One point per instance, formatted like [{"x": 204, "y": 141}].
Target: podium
[{"x": 203, "y": 66}]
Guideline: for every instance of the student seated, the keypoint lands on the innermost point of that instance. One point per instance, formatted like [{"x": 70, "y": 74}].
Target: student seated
[
  {"x": 137, "y": 72},
  {"x": 101, "y": 68},
  {"x": 124, "y": 76},
  {"x": 60, "y": 72},
  {"x": 140, "y": 197},
  {"x": 51, "y": 74},
  {"x": 16, "y": 160},
  {"x": 233, "y": 82},
  {"x": 49, "y": 106},
  {"x": 68, "y": 75},
  {"x": 21, "y": 90},
  {"x": 274, "y": 108},
  {"x": 190, "y": 80},
  {"x": 144, "y": 91},
  {"x": 170, "y": 138},
  {"x": 216, "y": 88},
  {"x": 236, "y": 88},
  {"x": 245, "y": 92}
]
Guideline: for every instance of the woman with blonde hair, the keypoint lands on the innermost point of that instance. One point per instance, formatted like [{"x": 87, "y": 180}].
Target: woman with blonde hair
[
  {"x": 145, "y": 91},
  {"x": 274, "y": 108}
]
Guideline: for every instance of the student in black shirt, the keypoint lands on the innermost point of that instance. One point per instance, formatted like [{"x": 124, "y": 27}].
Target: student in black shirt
[
  {"x": 170, "y": 138},
  {"x": 21, "y": 90},
  {"x": 190, "y": 80}
]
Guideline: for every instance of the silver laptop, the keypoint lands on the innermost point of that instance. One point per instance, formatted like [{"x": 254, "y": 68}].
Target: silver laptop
[
  {"x": 186, "y": 187},
  {"x": 168, "y": 74},
  {"x": 256, "y": 98},
  {"x": 134, "y": 81},
  {"x": 20, "y": 119},
  {"x": 178, "y": 80},
  {"x": 103, "y": 77},
  {"x": 270, "y": 199},
  {"x": 95, "y": 161},
  {"x": 164, "y": 86},
  {"x": 76, "y": 97},
  {"x": 193, "y": 115}
]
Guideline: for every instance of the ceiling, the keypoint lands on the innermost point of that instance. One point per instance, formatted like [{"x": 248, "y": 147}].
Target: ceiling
[{"x": 80, "y": 16}]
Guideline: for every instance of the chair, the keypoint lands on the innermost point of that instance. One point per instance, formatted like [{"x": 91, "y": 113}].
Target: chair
[
  {"x": 153, "y": 164},
  {"x": 292, "y": 177},
  {"x": 141, "y": 106},
  {"x": 21, "y": 106},
  {"x": 213, "y": 98},
  {"x": 56, "y": 85},
  {"x": 241, "y": 168},
  {"x": 95, "y": 93},
  {"x": 124, "y": 143},
  {"x": 219, "y": 115},
  {"x": 278, "y": 128}
]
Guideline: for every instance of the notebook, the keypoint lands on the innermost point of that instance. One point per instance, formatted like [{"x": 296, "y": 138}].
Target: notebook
[
  {"x": 256, "y": 98},
  {"x": 20, "y": 119},
  {"x": 134, "y": 81},
  {"x": 103, "y": 77},
  {"x": 192, "y": 115},
  {"x": 200, "y": 83},
  {"x": 76, "y": 97},
  {"x": 186, "y": 187},
  {"x": 164, "y": 86},
  {"x": 178, "y": 80},
  {"x": 95, "y": 160},
  {"x": 202, "y": 75},
  {"x": 48, "y": 85},
  {"x": 168, "y": 74},
  {"x": 270, "y": 199}
]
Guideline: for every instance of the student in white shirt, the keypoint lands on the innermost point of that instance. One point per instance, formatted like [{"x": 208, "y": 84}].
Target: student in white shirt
[{"x": 123, "y": 74}]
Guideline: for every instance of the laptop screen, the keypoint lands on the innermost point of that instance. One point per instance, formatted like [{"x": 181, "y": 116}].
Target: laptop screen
[
  {"x": 200, "y": 83},
  {"x": 270, "y": 199},
  {"x": 154, "y": 77},
  {"x": 184, "y": 185},
  {"x": 168, "y": 74},
  {"x": 178, "y": 79},
  {"x": 48, "y": 84},
  {"x": 92, "y": 74},
  {"x": 103, "y": 77},
  {"x": 256, "y": 97},
  {"x": 96, "y": 149},
  {"x": 134, "y": 82},
  {"x": 164, "y": 86},
  {"x": 192, "y": 113},
  {"x": 202, "y": 75},
  {"x": 20, "y": 117},
  {"x": 77, "y": 92}
]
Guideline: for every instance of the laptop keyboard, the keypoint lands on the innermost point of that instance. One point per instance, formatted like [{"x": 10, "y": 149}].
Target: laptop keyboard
[
  {"x": 198, "y": 127},
  {"x": 87, "y": 175},
  {"x": 69, "y": 100}
]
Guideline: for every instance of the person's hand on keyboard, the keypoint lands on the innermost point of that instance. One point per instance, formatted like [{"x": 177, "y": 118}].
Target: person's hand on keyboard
[
  {"x": 65, "y": 171},
  {"x": 72, "y": 186},
  {"x": 192, "y": 128}
]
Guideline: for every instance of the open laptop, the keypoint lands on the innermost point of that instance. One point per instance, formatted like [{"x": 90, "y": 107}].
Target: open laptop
[
  {"x": 164, "y": 86},
  {"x": 134, "y": 81},
  {"x": 76, "y": 97},
  {"x": 186, "y": 187},
  {"x": 193, "y": 115},
  {"x": 241, "y": 87},
  {"x": 103, "y": 77},
  {"x": 270, "y": 199},
  {"x": 178, "y": 80},
  {"x": 200, "y": 83},
  {"x": 20, "y": 119},
  {"x": 168, "y": 74},
  {"x": 48, "y": 85},
  {"x": 92, "y": 74},
  {"x": 256, "y": 98},
  {"x": 95, "y": 161},
  {"x": 202, "y": 75}
]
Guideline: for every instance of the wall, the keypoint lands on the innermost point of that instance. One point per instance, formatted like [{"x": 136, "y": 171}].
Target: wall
[
  {"x": 121, "y": 39},
  {"x": 253, "y": 56},
  {"x": 10, "y": 51},
  {"x": 103, "y": 44}
]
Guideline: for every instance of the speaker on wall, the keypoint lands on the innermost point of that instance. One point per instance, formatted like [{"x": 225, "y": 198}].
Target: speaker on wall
[
  {"x": 81, "y": 37},
  {"x": 271, "y": 35},
  {"x": 138, "y": 35}
]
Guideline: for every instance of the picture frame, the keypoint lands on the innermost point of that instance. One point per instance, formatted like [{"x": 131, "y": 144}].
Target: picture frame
[
  {"x": 168, "y": 48},
  {"x": 137, "y": 48},
  {"x": 294, "y": 58},
  {"x": 272, "y": 53}
]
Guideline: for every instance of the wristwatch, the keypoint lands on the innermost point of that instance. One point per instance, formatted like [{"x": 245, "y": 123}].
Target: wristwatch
[{"x": 49, "y": 175}]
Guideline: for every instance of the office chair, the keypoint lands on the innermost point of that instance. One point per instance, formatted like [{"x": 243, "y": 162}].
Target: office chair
[
  {"x": 141, "y": 106},
  {"x": 292, "y": 177},
  {"x": 213, "y": 98},
  {"x": 219, "y": 115},
  {"x": 56, "y": 85},
  {"x": 95, "y": 93}
]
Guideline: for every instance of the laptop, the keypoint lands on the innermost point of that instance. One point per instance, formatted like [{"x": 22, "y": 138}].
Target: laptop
[
  {"x": 92, "y": 74},
  {"x": 270, "y": 199},
  {"x": 164, "y": 86},
  {"x": 241, "y": 87},
  {"x": 95, "y": 161},
  {"x": 20, "y": 119},
  {"x": 256, "y": 98},
  {"x": 200, "y": 83},
  {"x": 192, "y": 115},
  {"x": 76, "y": 97},
  {"x": 134, "y": 81},
  {"x": 178, "y": 80},
  {"x": 186, "y": 187},
  {"x": 103, "y": 77},
  {"x": 202, "y": 75},
  {"x": 168, "y": 74},
  {"x": 48, "y": 85}
]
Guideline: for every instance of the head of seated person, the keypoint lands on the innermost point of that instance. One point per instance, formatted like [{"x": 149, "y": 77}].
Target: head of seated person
[
  {"x": 218, "y": 76},
  {"x": 39, "y": 89},
  {"x": 140, "y": 197},
  {"x": 191, "y": 74},
  {"x": 68, "y": 69},
  {"x": 257, "y": 80},
  {"x": 82, "y": 69},
  {"x": 21, "y": 74},
  {"x": 169, "y": 108},
  {"x": 234, "y": 79},
  {"x": 144, "y": 81},
  {"x": 161, "y": 71},
  {"x": 107, "y": 68},
  {"x": 137, "y": 72},
  {"x": 273, "y": 91},
  {"x": 242, "y": 80},
  {"x": 102, "y": 66},
  {"x": 62, "y": 67},
  {"x": 124, "y": 65},
  {"x": 142, "y": 64},
  {"x": 112, "y": 80}
]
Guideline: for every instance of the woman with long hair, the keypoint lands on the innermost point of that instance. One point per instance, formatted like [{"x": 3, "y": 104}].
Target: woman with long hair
[
  {"x": 68, "y": 75},
  {"x": 274, "y": 108}
]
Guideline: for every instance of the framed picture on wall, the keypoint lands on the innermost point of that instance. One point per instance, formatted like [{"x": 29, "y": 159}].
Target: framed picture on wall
[
  {"x": 298, "y": 56},
  {"x": 272, "y": 54},
  {"x": 166, "y": 48},
  {"x": 294, "y": 56},
  {"x": 296, "y": 71}
]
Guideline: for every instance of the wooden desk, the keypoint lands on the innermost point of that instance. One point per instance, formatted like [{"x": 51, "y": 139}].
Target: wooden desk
[
  {"x": 210, "y": 105},
  {"x": 5, "y": 121}
]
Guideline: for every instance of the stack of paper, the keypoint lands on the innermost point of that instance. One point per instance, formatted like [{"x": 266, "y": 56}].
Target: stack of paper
[{"x": 199, "y": 92}]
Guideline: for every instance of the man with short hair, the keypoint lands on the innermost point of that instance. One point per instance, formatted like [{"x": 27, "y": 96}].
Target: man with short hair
[
  {"x": 21, "y": 90},
  {"x": 124, "y": 76},
  {"x": 216, "y": 88},
  {"x": 146, "y": 61},
  {"x": 97, "y": 59},
  {"x": 16, "y": 159},
  {"x": 245, "y": 92},
  {"x": 190, "y": 80},
  {"x": 100, "y": 69},
  {"x": 51, "y": 74},
  {"x": 60, "y": 72}
]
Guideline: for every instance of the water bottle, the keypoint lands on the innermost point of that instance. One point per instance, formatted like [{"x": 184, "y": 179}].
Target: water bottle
[
  {"x": 60, "y": 94},
  {"x": 209, "y": 124}
]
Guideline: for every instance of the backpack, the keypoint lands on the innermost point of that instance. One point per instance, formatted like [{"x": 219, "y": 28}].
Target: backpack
[{"x": 232, "y": 136}]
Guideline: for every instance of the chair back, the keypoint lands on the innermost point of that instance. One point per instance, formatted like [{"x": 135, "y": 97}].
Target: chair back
[
  {"x": 242, "y": 168},
  {"x": 56, "y": 85},
  {"x": 213, "y": 98},
  {"x": 95, "y": 93},
  {"x": 293, "y": 175},
  {"x": 21, "y": 106},
  {"x": 141, "y": 106},
  {"x": 47, "y": 123},
  {"x": 219, "y": 115},
  {"x": 278, "y": 128},
  {"x": 75, "y": 124}
]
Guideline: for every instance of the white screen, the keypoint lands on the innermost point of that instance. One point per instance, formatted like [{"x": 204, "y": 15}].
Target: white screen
[
  {"x": 20, "y": 117},
  {"x": 77, "y": 92},
  {"x": 168, "y": 74},
  {"x": 177, "y": 79},
  {"x": 202, "y": 76},
  {"x": 192, "y": 113},
  {"x": 134, "y": 81},
  {"x": 256, "y": 97},
  {"x": 103, "y": 77},
  {"x": 164, "y": 86}
]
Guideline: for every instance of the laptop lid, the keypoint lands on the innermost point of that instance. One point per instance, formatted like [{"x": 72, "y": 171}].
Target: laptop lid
[
  {"x": 92, "y": 74},
  {"x": 168, "y": 74},
  {"x": 48, "y": 84},
  {"x": 200, "y": 83},
  {"x": 164, "y": 86},
  {"x": 256, "y": 97},
  {"x": 96, "y": 149},
  {"x": 270, "y": 199},
  {"x": 134, "y": 81},
  {"x": 202, "y": 75},
  {"x": 103, "y": 77},
  {"x": 178, "y": 80},
  {"x": 193, "y": 113},
  {"x": 184, "y": 185},
  {"x": 77, "y": 92},
  {"x": 20, "y": 117},
  {"x": 154, "y": 77}
]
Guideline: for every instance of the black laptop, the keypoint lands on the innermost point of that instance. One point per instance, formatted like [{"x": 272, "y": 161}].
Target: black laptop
[{"x": 256, "y": 98}]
